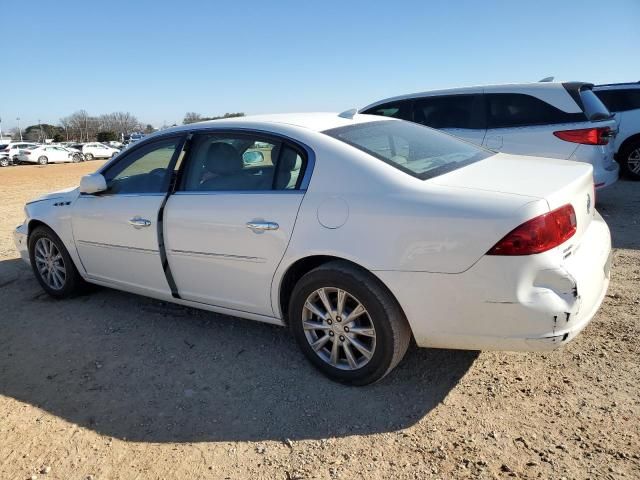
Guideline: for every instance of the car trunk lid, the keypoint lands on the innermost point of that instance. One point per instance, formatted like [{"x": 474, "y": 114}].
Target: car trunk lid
[{"x": 558, "y": 182}]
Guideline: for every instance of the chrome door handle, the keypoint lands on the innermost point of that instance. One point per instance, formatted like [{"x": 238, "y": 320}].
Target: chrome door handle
[
  {"x": 138, "y": 222},
  {"x": 263, "y": 226}
]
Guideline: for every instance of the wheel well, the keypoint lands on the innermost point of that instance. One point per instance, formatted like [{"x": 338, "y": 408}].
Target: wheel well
[
  {"x": 33, "y": 224},
  {"x": 631, "y": 139},
  {"x": 304, "y": 265}
]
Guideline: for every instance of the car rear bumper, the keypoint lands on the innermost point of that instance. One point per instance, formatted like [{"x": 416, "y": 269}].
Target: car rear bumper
[
  {"x": 20, "y": 238},
  {"x": 529, "y": 303},
  {"x": 605, "y": 169}
]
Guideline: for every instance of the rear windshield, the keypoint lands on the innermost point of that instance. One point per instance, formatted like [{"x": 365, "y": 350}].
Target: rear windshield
[
  {"x": 593, "y": 106},
  {"x": 416, "y": 150}
]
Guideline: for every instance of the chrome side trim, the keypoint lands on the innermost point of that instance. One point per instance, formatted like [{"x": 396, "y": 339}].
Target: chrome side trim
[
  {"x": 243, "y": 192},
  {"x": 117, "y": 247},
  {"x": 222, "y": 256}
]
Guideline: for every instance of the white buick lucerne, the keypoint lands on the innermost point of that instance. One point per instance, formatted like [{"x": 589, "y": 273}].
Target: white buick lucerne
[{"x": 356, "y": 231}]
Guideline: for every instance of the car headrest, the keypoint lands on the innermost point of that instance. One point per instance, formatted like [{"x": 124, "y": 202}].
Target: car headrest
[{"x": 223, "y": 159}]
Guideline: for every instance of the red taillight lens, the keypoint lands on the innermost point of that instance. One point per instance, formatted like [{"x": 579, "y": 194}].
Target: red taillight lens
[
  {"x": 539, "y": 234},
  {"x": 586, "y": 136}
]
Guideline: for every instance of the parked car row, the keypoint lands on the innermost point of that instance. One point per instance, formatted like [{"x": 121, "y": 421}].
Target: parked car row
[{"x": 29, "y": 152}]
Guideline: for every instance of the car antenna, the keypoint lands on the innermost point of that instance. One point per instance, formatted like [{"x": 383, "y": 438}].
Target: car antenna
[
  {"x": 546, "y": 80},
  {"x": 348, "y": 113}
]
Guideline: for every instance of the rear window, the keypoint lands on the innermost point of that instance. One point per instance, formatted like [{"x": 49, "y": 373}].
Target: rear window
[
  {"x": 593, "y": 107},
  {"x": 416, "y": 150}
]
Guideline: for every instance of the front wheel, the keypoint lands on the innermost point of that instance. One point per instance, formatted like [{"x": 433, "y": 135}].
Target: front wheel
[
  {"x": 347, "y": 323},
  {"x": 53, "y": 267},
  {"x": 88, "y": 156},
  {"x": 43, "y": 160},
  {"x": 114, "y": 154},
  {"x": 4, "y": 162},
  {"x": 630, "y": 160},
  {"x": 76, "y": 158}
]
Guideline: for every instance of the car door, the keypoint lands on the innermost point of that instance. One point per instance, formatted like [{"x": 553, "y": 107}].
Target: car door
[
  {"x": 116, "y": 232},
  {"x": 461, "y": 115},
  {"x": 524, "y": 125},
  {"x": 228, "y": 225},
  {"x": 57, "y": 155}
]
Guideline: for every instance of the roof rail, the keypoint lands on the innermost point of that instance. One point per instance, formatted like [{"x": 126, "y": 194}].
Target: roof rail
[{"x": 349, "y": 114}]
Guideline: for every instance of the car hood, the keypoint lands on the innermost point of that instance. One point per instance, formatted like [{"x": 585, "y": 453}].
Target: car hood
[{"x": 65, "y": 194}]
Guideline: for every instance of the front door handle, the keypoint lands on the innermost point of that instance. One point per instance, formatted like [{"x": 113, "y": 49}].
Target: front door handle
[
  {"x": 261, "y": 226},
  {"x": 137, "y": 222}
]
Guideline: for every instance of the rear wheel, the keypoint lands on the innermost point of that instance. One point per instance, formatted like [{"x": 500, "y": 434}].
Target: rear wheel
[
  {"x": 630, "y": 160},
  {"x": 76, "y": 158},
  {"x": 347, "y": 324},
  {"x": 88, "y": 156},
  {"x": 53, "y": 267},
  {"x": 114, "y": 154},
  {"x": 43, "y": 160}
]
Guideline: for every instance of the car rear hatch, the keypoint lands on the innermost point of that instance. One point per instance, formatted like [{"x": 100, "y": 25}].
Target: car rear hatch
[{"x": 557, "y": 182}]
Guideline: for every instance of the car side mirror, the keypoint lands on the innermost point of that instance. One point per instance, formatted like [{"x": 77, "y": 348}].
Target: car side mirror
[
  {"x": 93, "y": 183},
  {"x": 250, "y": 158}
]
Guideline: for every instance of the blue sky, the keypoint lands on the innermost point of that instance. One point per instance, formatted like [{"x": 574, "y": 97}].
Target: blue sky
[{"x": 160, "y": 59}]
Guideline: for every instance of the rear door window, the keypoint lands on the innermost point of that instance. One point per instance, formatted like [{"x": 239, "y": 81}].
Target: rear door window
[
  {"x": 451, "y": 111},
  {"x": 507, "y": 110}
]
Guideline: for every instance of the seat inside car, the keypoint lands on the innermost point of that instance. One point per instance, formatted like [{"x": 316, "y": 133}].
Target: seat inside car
[{"x": 223, "y": 169}]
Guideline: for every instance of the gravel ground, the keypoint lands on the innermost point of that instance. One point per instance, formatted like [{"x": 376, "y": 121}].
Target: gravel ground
[{"x": 116, "y": 386}]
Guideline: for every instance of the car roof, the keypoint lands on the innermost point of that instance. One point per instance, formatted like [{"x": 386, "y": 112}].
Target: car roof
[
  {"x": 617, "y": 86},
  {"x": 317, "y": 121},
  {"x": 539, "y": 89}
]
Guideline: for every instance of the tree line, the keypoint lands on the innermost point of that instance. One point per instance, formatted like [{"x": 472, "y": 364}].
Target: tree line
[{"x": 80, "y": 126}]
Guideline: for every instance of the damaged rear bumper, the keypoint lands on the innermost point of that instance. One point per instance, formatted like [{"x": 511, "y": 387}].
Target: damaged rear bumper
[{"x": 529, "y": 303}]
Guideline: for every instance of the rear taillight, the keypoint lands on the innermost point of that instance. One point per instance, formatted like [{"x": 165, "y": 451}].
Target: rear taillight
[
  {"x": 539, "y": 234},
  {"x": 586, "y": 136}
]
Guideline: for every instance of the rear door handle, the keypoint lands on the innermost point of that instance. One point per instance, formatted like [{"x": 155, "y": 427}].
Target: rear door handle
[
  {"x": 137, "y": 222},
  {"x": 261, "y": 226}
]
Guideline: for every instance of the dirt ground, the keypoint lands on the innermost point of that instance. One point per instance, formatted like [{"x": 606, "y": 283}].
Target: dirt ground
[{"x": 116, "y": 386}]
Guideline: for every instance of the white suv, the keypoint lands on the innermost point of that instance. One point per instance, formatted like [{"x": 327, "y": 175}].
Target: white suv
[
  {"x": 558, "y": 120},
  {"x": 623, "y": 99},
  {"x": 96, "y": 150},
  {"x": 12, "y": 149}
]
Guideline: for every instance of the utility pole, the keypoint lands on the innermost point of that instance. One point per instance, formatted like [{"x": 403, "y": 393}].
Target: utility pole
[
  {"x": 40, "y": 136},
  {"x": 19, "y": 129},
  {"x": 0, "y": 129}
]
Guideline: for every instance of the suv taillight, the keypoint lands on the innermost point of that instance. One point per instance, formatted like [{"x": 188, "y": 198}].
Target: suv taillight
[
  {"x": 539, "y": 234},
  {"x": 586, "y": 136}
]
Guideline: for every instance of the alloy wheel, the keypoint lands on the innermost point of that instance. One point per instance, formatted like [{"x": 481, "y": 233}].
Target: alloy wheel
[
  {"x": 50, "y": 264},
  {"x": 633, "y": 161},
  {"x": 339, "y": 328}
]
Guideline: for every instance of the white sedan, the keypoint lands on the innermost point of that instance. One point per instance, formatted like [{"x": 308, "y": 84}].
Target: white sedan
[
  {"x": 356, "y": 231},
  {"x": 45, "y": 154}
]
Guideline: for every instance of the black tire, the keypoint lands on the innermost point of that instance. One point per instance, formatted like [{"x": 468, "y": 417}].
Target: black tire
[
  {"x": 392, "y": 330},
  {"x": 88, "y": 156},
  {"x": 4, "y": 162},
  {"x": 630, "y": 152},
  {"x": 73, "y": 282},
  {"x": 43, "y": 160},
  {"x": 77, "y": 158}
]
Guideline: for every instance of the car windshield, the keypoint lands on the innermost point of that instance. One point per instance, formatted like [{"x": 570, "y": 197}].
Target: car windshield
[{"x": 414, "y": 149}]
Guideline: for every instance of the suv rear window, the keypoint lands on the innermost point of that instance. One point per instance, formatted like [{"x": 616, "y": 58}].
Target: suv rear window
[
  {"x": 593, "y": 107},
  {"x": 416, "y": 150}
]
